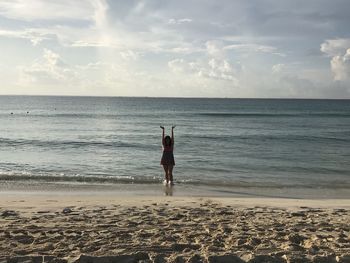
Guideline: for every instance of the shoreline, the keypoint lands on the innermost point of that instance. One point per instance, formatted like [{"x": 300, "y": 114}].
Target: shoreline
[
  {"x": 61, "y": 199},
  {"x": 179, "y": 190}
]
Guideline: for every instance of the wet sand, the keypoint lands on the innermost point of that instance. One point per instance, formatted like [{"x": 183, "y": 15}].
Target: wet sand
[{"x": 51, "y": 227}]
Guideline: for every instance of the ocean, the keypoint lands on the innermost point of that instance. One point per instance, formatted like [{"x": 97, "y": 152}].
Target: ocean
[{"x": 219, "y": 143}]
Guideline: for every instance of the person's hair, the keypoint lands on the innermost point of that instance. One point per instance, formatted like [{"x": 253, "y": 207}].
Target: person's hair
[{"x": 167, "y": 141}]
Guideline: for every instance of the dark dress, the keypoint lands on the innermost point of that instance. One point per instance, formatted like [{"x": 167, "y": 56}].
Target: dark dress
[{"x": 168, "y": 155}]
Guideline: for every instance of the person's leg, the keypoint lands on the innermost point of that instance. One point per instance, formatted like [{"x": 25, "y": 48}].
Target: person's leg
[
  {"x": 170, "y": 172},
  {"x": 166, "y": 169}
]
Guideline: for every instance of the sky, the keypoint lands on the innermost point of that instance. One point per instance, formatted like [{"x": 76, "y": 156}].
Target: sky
[{"x": 176, "y": 48}]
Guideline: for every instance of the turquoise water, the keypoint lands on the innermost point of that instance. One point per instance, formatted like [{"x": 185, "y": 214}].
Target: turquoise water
[{"x": 259, "y": 143}]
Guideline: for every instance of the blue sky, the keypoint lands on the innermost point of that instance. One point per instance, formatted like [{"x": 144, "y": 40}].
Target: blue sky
[{"x": 192, "y": 48}]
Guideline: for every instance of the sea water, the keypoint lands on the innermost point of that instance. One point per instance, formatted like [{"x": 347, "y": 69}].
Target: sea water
[{"x": 260, "y": 143}]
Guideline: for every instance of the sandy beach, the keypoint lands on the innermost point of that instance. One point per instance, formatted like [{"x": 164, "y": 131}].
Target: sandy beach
[{"x": 51, "y": 227}]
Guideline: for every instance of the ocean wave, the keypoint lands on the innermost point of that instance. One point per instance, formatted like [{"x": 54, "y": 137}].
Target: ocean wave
[
  {"x": 77, "y": 178},
  {"x": 52, "y": 144},
  {"x": 296, "y": 137},
  {"x": 151, "y": 180},
  {"x": 82, "y": 115},
  {"x": 260, "y": 114},
  {"x": 268, "y": 137},
  {"x": 271, "y": 113}
]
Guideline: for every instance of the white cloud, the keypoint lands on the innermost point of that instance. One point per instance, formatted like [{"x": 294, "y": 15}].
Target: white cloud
[
  {"x": 112, "y": 46},
  {"x": 89, "y": 43},
  {"x": 340, "y": 66},
  {"x": 52, "y": 58},
  {"x": 199, "y": 78},
  {"x": 51, "y": 75},
  {"x": 46, "y": 10},
  {"x": 178, "y": 65},
  {"x": 339, "y": 50},
  {"x": 212, "y": 69},
  {"x": 333, "y": 47},
  {"x": 34, "y": 36},
  {"x": 129, "y": 55},
  {"x": 100, "y": 13},
  {"x": 48, "y": 70},
  {"x": 277, "y": 68},
  {"x": 174, "y": 21},
  {"x": 254, "y": 48},
  {"x": 102, "y": 33},
  {"x": 215, "y": 48},
  {"x": 219, "y": 69},
  {"x": 62, "y": 14},
  {"x": 185, "y": 48}
]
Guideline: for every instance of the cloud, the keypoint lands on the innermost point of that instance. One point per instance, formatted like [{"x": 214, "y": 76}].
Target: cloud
[
  {"x": 48, "y": 70},
  {"x": 238, "y": 47},
  {"x": 52, "y": 75},
  {"x": 277, "y": 68},
  {"x": 213, "y": 72},
  {"x": 46, "y": 10},
  {"x": 63, "y": 22},
  {"x": 129, "y": 55},
  {"x": 212, "y": 69},
  {"x": 339, "y": 50},
  {"x": 215, "y": 48},
  {"x": 211, "y": 78},
  {"x": 220, "y": 69},
  {"x": 340, "y": 66},
  {"x": 34, "y": 36},
  {"x": 178, "y": 65},
  {"x": 333, "y": 47},
  {"x": 107, "y": 30},
  {"x": 103, "y": 30},
  {"x": 249, "y": 47},
  {"x": 186, "y": 48},
  {"x": 100, "y": 13},
  {"x": 173, "y": 21}
]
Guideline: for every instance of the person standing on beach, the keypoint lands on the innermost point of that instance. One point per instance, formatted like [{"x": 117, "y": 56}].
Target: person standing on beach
[{"x": 168, "y": 161}]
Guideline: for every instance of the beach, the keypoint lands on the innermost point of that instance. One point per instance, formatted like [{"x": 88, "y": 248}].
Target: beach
[
  {"x": 256, "y": 180},
  {"x": 86, "y": 227},
  {"x": 174, "y": 131}
]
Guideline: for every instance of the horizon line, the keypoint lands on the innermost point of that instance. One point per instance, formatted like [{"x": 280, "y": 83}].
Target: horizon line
[{"x": 170, "y": 97}]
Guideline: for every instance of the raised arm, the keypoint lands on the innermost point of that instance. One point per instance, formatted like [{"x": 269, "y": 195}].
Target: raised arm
[
  {"x": 162, "y": 134},
  {"x": 172, "y": 135}
]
